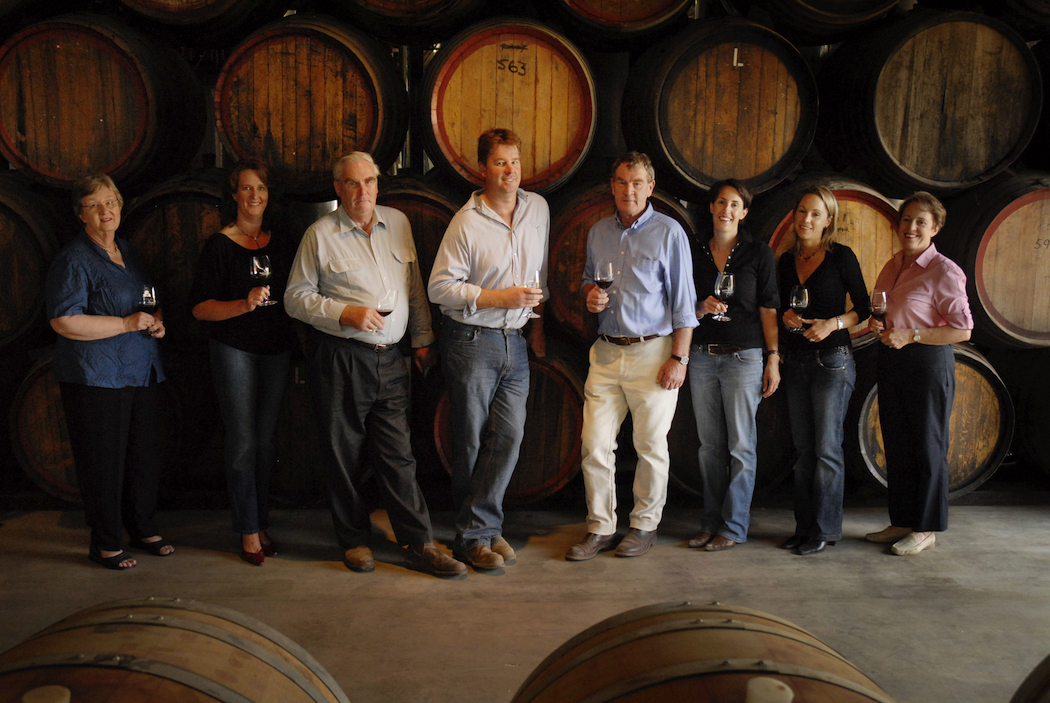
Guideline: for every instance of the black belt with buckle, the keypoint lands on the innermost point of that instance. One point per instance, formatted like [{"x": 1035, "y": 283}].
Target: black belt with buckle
[
  {"x": 720, "y": 348},
  {"x": 624, "y": 341},
  {"x": 373, "y": 347}
]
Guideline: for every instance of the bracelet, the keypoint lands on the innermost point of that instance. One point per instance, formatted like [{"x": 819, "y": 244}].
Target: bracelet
[
  {"x": 771, "y": 352},
  {"x": 838, "y": 321}
]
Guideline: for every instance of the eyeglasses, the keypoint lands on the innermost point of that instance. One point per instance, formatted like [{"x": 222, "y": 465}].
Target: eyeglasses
[{"x": 109, "y": 205}]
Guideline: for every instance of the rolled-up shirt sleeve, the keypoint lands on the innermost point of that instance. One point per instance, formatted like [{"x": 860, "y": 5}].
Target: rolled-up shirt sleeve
[
  {"x": 680, "y": 282},
  {"x": 950, "y": 298}
]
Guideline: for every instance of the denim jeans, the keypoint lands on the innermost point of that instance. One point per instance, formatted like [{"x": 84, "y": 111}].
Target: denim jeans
[
  {"x": 818, "y": 384},
  {"x": 726, "y": 390},
  {"x": 487, "y": 375},
  {"x": 249, "y": 389}
]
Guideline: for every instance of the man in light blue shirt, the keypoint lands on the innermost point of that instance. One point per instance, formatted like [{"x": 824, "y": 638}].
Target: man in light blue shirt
[
  {"x": 646, "y": 320},
  {"x": 489, "y": 274}
]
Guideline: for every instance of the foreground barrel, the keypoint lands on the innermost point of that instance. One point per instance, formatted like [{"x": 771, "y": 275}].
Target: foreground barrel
[
  {"x": 1036, "y": 686},
  {"x": 28, "y": 223},
  {"x": 939, "y": 101},
  {"x": 305, "y": 90},
  {"x": 694, "y": 652},
  {"x": 166, "y": 649},
  {"x": 550, "y": 450},
  {"x": 981, "y": 428},
  {"x": 724, "y": 98},
  {"x": 867, "y": 222},
  {"x": 517, "y": 74},
  {"x": 1000, "y": 235},
  {"x": 84, "y": 93},
  {"x": 572, "y": 218}
]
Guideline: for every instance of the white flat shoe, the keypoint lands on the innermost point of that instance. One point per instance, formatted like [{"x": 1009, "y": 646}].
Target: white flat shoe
[
  {"x": 888, "y": 536},
  {"x": 913, "y": 544}
]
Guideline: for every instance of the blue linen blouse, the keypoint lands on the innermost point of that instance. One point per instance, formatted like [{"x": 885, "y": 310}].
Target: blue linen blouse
[{"x": 83, "y": 280}]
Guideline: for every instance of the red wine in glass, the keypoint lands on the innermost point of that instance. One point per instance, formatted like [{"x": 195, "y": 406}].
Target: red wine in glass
[{"x": 878, "y": 305}]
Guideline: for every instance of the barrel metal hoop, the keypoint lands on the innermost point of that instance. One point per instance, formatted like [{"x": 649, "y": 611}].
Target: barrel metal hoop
[{"x": 128, "y": 662}]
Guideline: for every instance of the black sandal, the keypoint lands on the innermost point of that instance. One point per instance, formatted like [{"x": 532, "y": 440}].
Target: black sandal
[
  {"x": 113, "y": 562},
  {"x": 154, "y": 547}
]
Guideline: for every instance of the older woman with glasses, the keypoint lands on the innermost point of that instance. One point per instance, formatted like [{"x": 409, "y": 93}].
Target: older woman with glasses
[{"x": 108, "y": 367}]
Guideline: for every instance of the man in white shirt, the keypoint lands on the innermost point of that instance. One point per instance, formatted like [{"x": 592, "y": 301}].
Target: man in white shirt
[{"x": 347, "y": 261}]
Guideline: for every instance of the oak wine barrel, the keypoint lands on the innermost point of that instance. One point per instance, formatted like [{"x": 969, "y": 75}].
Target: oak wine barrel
[
  {"x": 29, "y": 221},
  {"x": 550, "y": 450},
  {"x": 572, "y": 215},
  {"x": 723, "y": 98},
  {"x": 1036, "y": 686},
  {"x": 305, "y": 90},
  {"x": 520, "y": 75},
  {"x": 1037, "y": 155},
  {"x": 867, "y": 225},
  {"x": 938, "y": 101},
  {"x": 207, "y": 21},
  {"x": 40, "y": 439},
  {"x": 693, "y": 652},
  {"x": 85, "y": 93},
  {"x": 1031, "y": 18},
  {"x": 999, "y": 234},
  {"x": 408, "y": 21},
  {"x": 1026, "y": 373},
  {"x": 981, "y": 427},
  {"x": 811, "y": 22},
  {"x": 166, "y": 649},
  {"x": 610, "y": 24}
]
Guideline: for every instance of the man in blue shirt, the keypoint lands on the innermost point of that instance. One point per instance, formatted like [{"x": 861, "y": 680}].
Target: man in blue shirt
[{"x": 638, "y": 363}]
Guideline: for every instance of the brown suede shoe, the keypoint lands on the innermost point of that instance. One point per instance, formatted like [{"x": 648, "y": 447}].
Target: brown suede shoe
[
  {"x": 480, "y": 557},
  {"x": 590, "y": 546},
  {"x": 430, "y": 560},
  {"x": 359, "y": 559},
  {"x": 719, "y": 544},
  {"x": 502, "y": 547},
  {"x": 636, "y": 543},
  {"x": 701, "y": 540}
]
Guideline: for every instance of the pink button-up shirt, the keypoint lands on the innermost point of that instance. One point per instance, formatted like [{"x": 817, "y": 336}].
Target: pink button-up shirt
[{"x": 929, "y": 293}]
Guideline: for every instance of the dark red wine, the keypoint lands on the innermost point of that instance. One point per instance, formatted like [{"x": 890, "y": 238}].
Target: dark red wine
[
  {"x": 384, "y": 313},
  {"x": 148, "y": 308},
  {"x": 880, "y": 316},
  {"x": 603, "y": 284}
]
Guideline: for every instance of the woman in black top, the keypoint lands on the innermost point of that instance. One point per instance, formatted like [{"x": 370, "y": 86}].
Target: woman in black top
[
  {"x": 727, "y": 376},
  {"x": 818, "y": 363},
  {"x": 249, "y": 345}
]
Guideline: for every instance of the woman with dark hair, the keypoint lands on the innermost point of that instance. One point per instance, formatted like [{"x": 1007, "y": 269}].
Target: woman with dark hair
[
  {"x": 249, "y": 335},
  {"x": 107, "y": 364},
  {"x": 727, "y": 375},
  {"x": 818, "y": 368},
  {"x": 926, "y": 312}
]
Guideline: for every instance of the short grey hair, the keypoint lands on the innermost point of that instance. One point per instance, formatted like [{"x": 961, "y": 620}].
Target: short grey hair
[{"x": 351, "y": 159}]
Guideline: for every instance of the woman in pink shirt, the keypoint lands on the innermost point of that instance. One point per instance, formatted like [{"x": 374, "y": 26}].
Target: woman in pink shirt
[{"x": 926, "y": 312}]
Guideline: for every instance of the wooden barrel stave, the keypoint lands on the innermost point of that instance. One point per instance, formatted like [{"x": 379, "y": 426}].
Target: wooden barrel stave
[
  {"x": 981, "y": 427},
  {"x": 655, "y": 652},
  {"x": 516, "y": 74}
]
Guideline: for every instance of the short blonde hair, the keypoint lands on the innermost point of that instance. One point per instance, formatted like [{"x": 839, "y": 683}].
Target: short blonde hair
[{"x": 91, "y": 184}]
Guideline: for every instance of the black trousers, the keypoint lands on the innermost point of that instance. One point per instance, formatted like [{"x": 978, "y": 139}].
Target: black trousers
[
  {"x": 916, "y": 391},
  {"x": 113, "y": 434},
  {"x": 363, "y": 395}
]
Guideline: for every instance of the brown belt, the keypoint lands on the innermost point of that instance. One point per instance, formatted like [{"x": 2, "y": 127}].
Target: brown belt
[
  {"x": 720, "y": 348},
  {"x": 624, "y": 341}
]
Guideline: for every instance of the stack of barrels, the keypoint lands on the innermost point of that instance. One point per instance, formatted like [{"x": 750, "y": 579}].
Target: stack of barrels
[{"x": 869, "y": 99}]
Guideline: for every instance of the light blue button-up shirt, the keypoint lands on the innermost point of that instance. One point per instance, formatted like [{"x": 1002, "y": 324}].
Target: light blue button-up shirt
[{"x": 652, "y": 290}]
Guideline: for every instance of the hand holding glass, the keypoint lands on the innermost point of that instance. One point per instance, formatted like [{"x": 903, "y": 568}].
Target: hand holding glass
[
  {"x": 799, "y": 302},
  {"x": 603, "y": 278},
  {"x": 723, "y": 291},
  {"x": 260, "y": 271},
  {"x": 148, "y": 304},
  {"x": 533, "y": 281}
]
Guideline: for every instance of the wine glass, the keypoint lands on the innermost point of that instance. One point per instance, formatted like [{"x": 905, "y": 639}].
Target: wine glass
[
  {"x": 386, "y": 304},
  {"x": 148, "y": 304},
  {"x": 260, "y": 271},
  {"x": 878, "y": 305},
  {"x": 799, "y": 302},
  {"x": 533, "y": 281},
  {"x": 723, "y": 291},
  {"x": 603, "y": 277}
]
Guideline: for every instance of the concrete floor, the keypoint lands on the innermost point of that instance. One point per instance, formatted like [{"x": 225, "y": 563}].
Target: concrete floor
[{"x": 965, "y": 621}]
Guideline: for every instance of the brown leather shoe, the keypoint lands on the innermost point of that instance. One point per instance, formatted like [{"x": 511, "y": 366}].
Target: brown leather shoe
[
  {"x": 359, "y": 559},
  {"x": 431, "y": 560},
  {"x": 590, "y": 546},
  {"x": 481, "y": 557},
  {"x": 701, "y": 540},
  {"x": 636, "y": 543},
  {"x": 719, "y": 544},
  {"x": 502, "y": 547}
]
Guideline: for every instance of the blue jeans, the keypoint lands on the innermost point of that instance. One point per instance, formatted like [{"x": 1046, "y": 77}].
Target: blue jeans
[
  {"x": 726, "y": 390},
  {"x": 487, "y": 375},
  {"x": 249, "y": 389},
  {"x": 818, "y": 385}
]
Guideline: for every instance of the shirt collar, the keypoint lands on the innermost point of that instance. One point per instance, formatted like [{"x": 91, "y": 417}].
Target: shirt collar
[
  {"x": 349, "y": 225},
  {"x": 642, "y": 219},
  {"x": 927, "y": 256}
]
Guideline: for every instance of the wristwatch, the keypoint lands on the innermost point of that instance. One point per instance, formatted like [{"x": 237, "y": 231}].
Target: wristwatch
[
  {"x": 683, "y": 360},
  {"x": 915, "y": 337}
]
